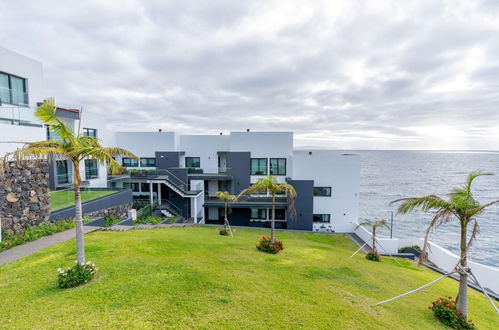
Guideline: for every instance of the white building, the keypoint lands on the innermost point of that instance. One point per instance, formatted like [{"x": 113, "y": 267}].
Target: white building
[{"x": 184, "y": 172}]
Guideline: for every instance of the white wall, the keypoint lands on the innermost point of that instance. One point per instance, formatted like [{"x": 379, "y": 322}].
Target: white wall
[
  {"x": 205, "y": 147},
  {"x": 18, "y": 133},
  {"x": 342, "y": 174},
  {"x": 145, "y": 144}
]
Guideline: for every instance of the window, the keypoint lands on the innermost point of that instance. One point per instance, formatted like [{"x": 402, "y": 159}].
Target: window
[
  {"x": 132, "y": 185},
  {"x": 192, "y": 162},
  {"x": 278, "y": 166},
  {"x": 322, "y": 191},
  {"x": 322, "y": 218},
  {"x": 129, "y": 162},
  {"x": 280, "y": 214},
  {"x": 52, "y": 136},
  {"x": 63, "y": 175},
  {"x": 13, "y": 90},
  {"x": 258, "y": 166},
  {"x": 259, "y": 214},
  {"x": 91, "y": 169},
  {"x": 90, "y": 132},
  {"x": 144, "y": 187},
  {"x": 147, "y": 162}
]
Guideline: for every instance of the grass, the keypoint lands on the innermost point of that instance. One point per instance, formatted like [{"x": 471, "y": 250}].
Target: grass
[
  {"x": 194, "y": 278},
  {"x": 63, "y": 198}
]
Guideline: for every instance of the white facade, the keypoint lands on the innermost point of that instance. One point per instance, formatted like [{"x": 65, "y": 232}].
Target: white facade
[{"x": 337, "y": 171}]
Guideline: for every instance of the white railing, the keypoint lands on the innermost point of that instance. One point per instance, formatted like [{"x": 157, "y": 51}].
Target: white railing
[{"x": 17, "y": 115}]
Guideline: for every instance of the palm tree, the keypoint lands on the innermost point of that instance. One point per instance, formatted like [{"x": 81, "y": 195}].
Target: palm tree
[
  {"x": 374, "y": 225},
  {"x": 74, "y": 147},
  {"x": 270, "y": 184},
  {"x": 460, "y": 205},
  {"x": 226, "y": 198}
]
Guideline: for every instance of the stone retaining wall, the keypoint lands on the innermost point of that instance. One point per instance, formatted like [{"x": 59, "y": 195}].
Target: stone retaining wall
[{"x": 24, "y": 195}]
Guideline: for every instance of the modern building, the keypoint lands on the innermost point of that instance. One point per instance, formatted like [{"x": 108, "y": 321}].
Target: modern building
[{"x": 184, "y": 172}]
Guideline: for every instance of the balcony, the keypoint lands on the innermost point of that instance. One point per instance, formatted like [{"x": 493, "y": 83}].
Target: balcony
[
  {"x": 248, "y": 202},
  {"x": 18, "y": 115}
]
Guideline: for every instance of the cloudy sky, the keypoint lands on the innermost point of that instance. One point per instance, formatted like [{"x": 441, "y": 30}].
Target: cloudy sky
[{"x": 340, "y": 74}]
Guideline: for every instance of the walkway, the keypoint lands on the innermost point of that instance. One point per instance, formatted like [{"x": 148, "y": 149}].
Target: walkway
[{"x": 24, "y": 250}]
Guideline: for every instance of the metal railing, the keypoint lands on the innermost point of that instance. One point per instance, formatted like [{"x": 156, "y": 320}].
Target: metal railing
[
  {"x": 18, "y": 115},
  {"x": 147, "y": 210},
  {"x": 169, "y": 206}
]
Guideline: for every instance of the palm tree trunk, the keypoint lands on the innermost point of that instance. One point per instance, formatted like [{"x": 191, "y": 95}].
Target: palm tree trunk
[
  {"x": 80, "y": 246},
  {"x": 272, "y": 225},
  {"x": 462, "y": 296},
  {"x": 225, "y": 217}
]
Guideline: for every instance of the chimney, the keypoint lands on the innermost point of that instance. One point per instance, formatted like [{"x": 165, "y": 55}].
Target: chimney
[
  {"x": 160, "y": 130},
  {"x": 247, "y": 130}
]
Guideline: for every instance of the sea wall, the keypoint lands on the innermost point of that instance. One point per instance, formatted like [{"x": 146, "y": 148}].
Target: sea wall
[{"x": 24, "y": 195}]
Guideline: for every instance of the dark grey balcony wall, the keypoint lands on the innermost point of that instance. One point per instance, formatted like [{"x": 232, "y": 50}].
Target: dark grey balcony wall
[
  {"x": 239, "y": 165},
  {"x": 180, "y": 173},
  {"x": 119, "y": 198},
  {"x": 304, "y": 204},
  {"x": 167, "y": 159}
]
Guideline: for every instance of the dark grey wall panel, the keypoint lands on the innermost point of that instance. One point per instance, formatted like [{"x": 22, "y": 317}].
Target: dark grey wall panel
[
  {"x": 304, "y": 205},
  {"x": 239, "y": 167},
  {"x": 105, "y": 202},
  {"x": 167, "y": 159}
]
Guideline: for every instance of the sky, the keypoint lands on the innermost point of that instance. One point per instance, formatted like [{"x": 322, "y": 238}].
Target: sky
[{"x": 340, "y": 74}]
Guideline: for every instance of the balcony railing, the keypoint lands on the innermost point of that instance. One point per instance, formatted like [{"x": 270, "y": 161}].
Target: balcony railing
[
  {"x": 14, "y": 97},
  {"x": 18, "y": 115}
]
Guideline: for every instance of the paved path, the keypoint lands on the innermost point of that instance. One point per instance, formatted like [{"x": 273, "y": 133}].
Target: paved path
[{"x": 29, "y": 248}]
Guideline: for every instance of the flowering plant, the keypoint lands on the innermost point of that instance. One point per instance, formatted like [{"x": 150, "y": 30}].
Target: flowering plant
[
  {"x": 266, "y": 245},
  {"x": 76, "y": 275},
  {"x": 374, "y": 256},
  {"x": 445, "y": 310}
]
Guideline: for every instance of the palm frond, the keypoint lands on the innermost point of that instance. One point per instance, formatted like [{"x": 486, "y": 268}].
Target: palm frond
[
  {"x": 425, "y": 203},
  {"x": 47, "y": 114}
]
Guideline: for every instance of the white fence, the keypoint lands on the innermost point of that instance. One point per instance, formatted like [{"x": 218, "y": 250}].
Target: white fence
[{"x": 488, "y": 276}]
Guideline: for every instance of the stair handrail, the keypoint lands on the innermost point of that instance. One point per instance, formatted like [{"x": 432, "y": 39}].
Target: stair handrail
[{"x": 174, "y": 206}]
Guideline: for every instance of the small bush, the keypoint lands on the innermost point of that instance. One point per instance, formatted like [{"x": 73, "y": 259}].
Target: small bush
[
  {"x": 76, "y": 275},
  {"x": 265, "y": 245},
  {"x": 445, "y": 310},
  {"x": 224, "y": 232},
  {"x": 110, "y": 221},
  {"x": 373, "y": 256},
  {"x": 409, "y": 248},
  {"x": 149, "y": 220}
]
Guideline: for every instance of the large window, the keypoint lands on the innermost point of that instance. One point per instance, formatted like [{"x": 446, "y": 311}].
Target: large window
[
  {"x": 132, "y": 185},
  {"x": 90, "y": 132},
  {"x": 259, "y": 214},
  {"x": 192, "y": 162},
  {"x": 144, "y": 187},
  {"x": 280, "y": 214},
  {"x": 258, "y": 166},
  {"x": 91, "y": 169},
  {"x": 63, "y": 175},
  {"x": 147, "y": 162},
  {"x": 322, "y": 191},
  {"x": 13, "y": 90},
  {"x": 322, "y": 217},
  {"x": 278, "y": 166},
  {"x": 129, "y": 162}
]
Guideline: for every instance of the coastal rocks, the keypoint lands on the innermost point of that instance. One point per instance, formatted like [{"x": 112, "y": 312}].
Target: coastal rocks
[{"x": 24, "y": 195}]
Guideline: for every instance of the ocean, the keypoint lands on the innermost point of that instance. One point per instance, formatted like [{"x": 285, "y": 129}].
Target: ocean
[{"x": 390, "y": 175}]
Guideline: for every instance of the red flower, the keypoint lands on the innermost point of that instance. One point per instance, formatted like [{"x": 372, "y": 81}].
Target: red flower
[
  {"x": 459, "y": 312},
  {"x": 447, "y": 306},
  {"x": 457, "y": 317}
]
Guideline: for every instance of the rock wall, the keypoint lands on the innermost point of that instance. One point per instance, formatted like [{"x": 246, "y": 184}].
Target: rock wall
[
  {"x": 120, "y": 212},
  {"x": 24, "y": 195}
]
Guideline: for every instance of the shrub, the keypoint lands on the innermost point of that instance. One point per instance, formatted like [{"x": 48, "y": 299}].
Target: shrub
[
  {"x": 149, "y": 220},
  {"x": 110, "y": 221},
  {"x": 224, "y": 232},
  {"x": 445, "y": 310},
  {"x": 409, "y": 248},
  {"x": 265, "y": 245},
  {"x": 373, "y": 256},
  {"x": 76, "y": 275}
]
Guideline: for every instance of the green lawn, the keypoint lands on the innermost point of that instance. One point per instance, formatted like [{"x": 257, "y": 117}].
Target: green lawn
[
  {"x": 194, "y": 278},
  {"x": 63, "y": 198}
]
